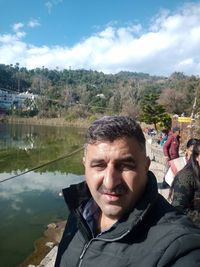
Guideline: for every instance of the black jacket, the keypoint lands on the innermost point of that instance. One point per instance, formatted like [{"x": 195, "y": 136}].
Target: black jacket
[
  {"x": 186, "y": 194},
  {"x": 153, "y": 234}
]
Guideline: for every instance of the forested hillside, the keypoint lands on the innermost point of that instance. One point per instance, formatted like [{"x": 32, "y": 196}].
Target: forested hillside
[{"x": 82, "y": 93}]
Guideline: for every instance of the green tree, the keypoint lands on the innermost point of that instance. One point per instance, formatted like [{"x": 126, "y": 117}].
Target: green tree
[
  {"x": 151, "y": 111},
  {"x": 166, "y": 121}
]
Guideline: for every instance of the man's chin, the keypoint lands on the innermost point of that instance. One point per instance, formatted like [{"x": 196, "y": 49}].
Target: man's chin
[{"x": 112, "y": 212}]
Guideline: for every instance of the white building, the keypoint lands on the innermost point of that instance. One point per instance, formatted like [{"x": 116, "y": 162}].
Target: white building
[
  {"x": 9, "y": 98},
  {"x": 6, "y": 99}
]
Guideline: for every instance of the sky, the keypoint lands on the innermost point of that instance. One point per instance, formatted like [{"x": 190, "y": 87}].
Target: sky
[{"x": 157, "y": 37}]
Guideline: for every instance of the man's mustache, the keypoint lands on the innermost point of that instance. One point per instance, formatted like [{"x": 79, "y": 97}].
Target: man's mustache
[{"x": 118, "y": 190}]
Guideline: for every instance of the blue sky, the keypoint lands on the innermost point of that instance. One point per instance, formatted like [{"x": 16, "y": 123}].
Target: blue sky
[{"x": 157, "y": 37}]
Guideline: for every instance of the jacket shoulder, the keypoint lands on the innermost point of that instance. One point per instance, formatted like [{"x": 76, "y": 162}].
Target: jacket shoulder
[{"x": 184, "y": 249}]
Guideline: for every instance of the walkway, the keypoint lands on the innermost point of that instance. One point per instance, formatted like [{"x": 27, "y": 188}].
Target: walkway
[{"x": 155, "y": 153}]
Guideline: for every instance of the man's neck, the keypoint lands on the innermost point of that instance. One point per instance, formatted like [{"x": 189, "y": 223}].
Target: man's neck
[{"x": 104, "y": 223}]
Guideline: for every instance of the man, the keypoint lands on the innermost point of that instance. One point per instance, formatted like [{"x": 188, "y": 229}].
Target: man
[
  {"x": 117, "y": 217},
  {"x": 171, "y": 145},
  {"x": 171, "y": 150}
]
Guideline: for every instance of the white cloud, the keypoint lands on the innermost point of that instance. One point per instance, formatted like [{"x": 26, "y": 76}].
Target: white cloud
[
  {"x": 33, "y": 23},
  {"x": 51, "y": 3},
  {"x": 12, "y": 50},
  {"x": 49, "y": 6},
  {"x": 36, "y": 182},
  {"x": 171, "y": 43},
  {"x": 20, "y": 35},
  {"x": 17, "y": 26}
]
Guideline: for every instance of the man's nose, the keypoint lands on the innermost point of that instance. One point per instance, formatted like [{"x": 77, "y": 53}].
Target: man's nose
[{"x": 112, "y": 177}]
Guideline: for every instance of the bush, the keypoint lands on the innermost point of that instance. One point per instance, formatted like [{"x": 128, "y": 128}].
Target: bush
[{"x": 92, "y": 118}]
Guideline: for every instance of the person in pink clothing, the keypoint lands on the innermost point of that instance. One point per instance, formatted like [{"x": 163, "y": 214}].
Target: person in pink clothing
[{"x": 171, "y": 150}]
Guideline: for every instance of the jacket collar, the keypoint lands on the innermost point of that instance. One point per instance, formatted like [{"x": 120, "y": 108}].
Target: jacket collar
[{"x": 76, "y": 194}]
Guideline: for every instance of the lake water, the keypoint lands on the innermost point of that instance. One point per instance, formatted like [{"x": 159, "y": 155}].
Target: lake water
[{"x": 31, "y": 201}]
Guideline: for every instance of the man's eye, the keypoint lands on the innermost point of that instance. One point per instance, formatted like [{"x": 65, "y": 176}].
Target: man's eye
[
  {"x": 127, "y": 166},
  {"x": 99, "y": 166}
]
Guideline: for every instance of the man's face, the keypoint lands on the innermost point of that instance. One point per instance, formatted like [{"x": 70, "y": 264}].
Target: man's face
[{"x": 116, "y": 174}]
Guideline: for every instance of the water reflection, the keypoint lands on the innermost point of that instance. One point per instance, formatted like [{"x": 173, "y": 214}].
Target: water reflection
[
  {"x": 27, "y": 205},
  {"x": 51, "y": 181},
  {"x": 23, "y": 146},
  {"x": 31, "y": 201},
  {"x": 20, "y": 136}
]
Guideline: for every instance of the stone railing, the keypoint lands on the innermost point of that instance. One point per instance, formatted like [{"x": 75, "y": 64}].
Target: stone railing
[{"x": 154, "y": 151}]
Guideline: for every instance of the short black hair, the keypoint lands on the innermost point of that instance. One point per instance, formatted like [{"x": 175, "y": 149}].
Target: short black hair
[
  {"x": 110, "y": 128},
  {"x": 192, "y": 142},
  {"x": 175, "y": 129}
]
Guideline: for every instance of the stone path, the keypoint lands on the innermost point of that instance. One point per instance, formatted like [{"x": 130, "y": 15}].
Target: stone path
[
  {"x": 155, "y": 153},
  {"x": 158, "y": 170}
]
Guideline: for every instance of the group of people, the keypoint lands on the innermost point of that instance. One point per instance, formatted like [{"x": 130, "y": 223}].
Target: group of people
[
  {"x": 183, "y": 175},
  {"x": 117, "y": 216},
  {"x": 184, "y": 191}
]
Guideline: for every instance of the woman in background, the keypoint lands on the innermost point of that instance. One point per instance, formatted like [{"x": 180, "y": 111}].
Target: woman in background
[
  {"x": 186, "y": 187},
  {"x": 177, "y": 164},
  {"x": 189, "y": 148}
]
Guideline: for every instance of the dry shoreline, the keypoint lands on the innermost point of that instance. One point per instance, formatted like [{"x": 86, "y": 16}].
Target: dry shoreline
[
  {"x": 44, "y": 244},
  {"x": 80, "y": 123}
]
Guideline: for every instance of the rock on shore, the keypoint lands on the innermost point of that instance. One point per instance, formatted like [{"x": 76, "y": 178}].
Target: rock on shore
[{"x": 46, "y": 247}]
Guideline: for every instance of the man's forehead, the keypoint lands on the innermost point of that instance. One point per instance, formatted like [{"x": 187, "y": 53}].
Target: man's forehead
[
  {"x": 126, "y": 146},
  {"x": 107, "y": 141}
]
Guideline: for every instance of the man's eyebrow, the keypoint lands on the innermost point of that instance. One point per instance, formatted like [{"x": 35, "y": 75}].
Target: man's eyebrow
[{"x": 127, "y": 158}]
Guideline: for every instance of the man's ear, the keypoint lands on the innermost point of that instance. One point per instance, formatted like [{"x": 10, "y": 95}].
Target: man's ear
[{"x": 147, "y": 163}]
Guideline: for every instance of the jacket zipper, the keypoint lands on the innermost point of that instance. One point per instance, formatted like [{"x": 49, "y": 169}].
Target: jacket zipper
[
  {"x": 83, "y": 252},
  {"x": 98, "y": 238}
]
